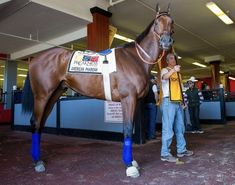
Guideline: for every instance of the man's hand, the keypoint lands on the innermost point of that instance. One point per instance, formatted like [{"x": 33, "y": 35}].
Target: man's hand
[
  {"x": 184, "y": 105},
  {"x": 177, "y": 68}
]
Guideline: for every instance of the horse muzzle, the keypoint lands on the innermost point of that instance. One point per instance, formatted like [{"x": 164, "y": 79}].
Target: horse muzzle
[{"x": 166, "y": 41}]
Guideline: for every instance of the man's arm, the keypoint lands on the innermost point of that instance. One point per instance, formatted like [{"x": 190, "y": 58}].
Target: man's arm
[
  {"x": 155, "y": 92},
  {"x": 167, "y": 75}
]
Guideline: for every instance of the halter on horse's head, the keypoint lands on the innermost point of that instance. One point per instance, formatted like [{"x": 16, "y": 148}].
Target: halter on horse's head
[{"x": 163, "y": 28}]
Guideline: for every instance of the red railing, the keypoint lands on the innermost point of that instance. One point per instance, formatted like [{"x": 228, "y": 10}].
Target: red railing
[{"x": 5, "y": 114}]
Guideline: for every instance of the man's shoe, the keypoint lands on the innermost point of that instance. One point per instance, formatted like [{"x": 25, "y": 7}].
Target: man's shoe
[
  {"x": 190, "y": 131},
  {"x": 169, "y": 158},
  {"x": 200, "y": 131},
  {"x": 185, "y": 153}
]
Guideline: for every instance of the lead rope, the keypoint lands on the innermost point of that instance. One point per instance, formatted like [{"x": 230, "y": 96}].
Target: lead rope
[
  {"x": 179, "y": 77},
  {"x": 145, "y": 61}
]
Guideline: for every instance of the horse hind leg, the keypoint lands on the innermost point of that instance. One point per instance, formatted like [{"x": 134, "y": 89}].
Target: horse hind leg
[
  {"x": 39, "y": 105},
  {"x": 37, "y": 128},
  {"x": 53, "y": 99}
]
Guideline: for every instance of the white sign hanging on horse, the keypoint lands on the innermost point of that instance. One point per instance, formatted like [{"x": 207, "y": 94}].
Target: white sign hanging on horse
[
  {"x": 92, "y": 62},
  {"x": 113, "y": 112}
]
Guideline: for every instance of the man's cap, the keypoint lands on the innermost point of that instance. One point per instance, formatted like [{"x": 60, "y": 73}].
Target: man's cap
[{"x": 192, "y": 79}]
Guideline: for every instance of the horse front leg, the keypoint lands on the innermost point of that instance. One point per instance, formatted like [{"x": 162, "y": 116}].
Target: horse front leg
[{"x": 128, "y": 106}]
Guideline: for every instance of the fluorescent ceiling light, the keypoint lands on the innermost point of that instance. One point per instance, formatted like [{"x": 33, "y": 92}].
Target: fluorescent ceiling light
[
  {"x": 1, "y": 75},
  {"x": 154, "y": 72},
  {"x": 1, "y": 79},
  {"x": 22, "y": 69},
  {"x": 22, "y": 75},
  {"x": 123, "y": 38},
  {"x": 231, "y": 78},
  {"x": 219, "y": 13},
  {"x": 4, "y": 1},
  {"x": 199, "y": 64},
  {"x": 221, "y": 72}
]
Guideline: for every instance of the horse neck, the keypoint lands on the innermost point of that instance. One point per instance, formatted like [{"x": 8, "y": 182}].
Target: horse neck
[{"x": 150, "y": 45}]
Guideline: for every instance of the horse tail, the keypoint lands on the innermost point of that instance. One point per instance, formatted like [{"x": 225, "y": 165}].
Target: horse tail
[{"x": 27, "y": 97}]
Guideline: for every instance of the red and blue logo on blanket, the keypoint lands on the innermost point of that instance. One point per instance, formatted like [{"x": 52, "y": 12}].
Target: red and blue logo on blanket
[{"x": 91, "y": 62}]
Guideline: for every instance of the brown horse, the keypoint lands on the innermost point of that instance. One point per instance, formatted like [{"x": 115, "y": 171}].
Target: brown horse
[{"x": 48, "y": 79}]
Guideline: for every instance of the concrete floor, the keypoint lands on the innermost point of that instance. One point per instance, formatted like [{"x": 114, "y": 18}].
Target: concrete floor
[{"x": 71, "y": 160}]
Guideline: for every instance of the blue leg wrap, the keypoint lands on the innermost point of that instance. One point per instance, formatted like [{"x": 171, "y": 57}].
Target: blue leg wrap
[
  {"x": 35, "y": 150},
  {"x": 127, "y": 152}
]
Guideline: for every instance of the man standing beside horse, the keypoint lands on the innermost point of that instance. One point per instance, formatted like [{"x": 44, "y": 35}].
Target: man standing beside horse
[{"x": 172, "y": 111}]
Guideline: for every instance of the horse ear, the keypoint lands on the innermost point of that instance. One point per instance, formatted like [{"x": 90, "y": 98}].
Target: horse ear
[
  {"x": 157, "y": 8},
  {"x": 168, "y": 8}
]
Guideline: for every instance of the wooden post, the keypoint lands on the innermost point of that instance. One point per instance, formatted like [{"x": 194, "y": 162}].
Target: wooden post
[
  {"x": 215, "y": 75},
  {"x": 98, "y": 30}
]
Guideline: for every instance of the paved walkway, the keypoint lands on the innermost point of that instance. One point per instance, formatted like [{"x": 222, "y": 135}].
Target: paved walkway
[{"x": 71, "y": 161}]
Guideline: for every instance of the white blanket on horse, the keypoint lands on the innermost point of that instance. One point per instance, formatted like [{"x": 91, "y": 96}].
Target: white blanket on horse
[{"x": 91, "y": 62}]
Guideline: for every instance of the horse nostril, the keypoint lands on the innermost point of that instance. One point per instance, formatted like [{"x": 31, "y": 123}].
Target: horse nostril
[{"x": 166, "y": 33}]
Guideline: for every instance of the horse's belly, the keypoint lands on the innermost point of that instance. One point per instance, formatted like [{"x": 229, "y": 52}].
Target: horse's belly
[{"x": 86, "y": 84}]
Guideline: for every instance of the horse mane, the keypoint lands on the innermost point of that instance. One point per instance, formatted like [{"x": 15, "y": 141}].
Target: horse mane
[
  {"x": 144, "y": 33},
  {"x": 140, "y": 37}
]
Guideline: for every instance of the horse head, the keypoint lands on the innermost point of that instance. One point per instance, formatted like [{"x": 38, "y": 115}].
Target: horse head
[{"x": 163, "y": 28}]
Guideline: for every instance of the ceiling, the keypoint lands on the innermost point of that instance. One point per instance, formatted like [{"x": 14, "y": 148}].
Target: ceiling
[
  {"x": 198, "y": 32},
  {"x": 24, "y": 23}
]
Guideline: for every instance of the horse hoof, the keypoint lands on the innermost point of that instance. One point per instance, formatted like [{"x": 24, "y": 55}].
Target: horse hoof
[
  {"x": 132, "y": 171},
  {"x": 40, "y": 166},
  {"x": 135, "y": 164}
]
